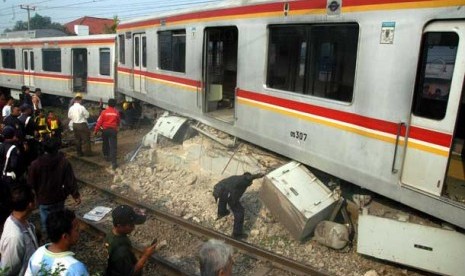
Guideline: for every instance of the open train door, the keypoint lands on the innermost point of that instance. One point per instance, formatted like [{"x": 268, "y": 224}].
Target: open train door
[
  {"x": 28, "y": 67},
  {"x": 80, "y": 70},
  {"x": 220, "y": 72},
  {"x": 140, "y": 62},
  {"x": 437, "y": 97}
]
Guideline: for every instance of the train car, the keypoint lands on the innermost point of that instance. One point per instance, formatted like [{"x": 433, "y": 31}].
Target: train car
[
  {"x": 369, "y": 91},
  {"x": 60, "y": 66}
]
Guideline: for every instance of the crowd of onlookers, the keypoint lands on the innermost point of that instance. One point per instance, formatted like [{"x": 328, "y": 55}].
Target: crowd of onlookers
[{"x": 37, "y": 175}]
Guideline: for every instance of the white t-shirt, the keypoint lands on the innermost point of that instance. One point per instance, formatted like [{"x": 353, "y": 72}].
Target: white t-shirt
[
  {"x": 78, "y": 113},
  {"x": 63, "y": 262},
  {"x": 6, "y": 111}
]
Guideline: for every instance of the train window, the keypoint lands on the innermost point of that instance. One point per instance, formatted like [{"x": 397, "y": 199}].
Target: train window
[
  {"x": 51, "y": 60},
  {"x": 136, "y": 51},
  {"x": 317, "y": 60},
  {"x": 32, "y": 60},
  {"x": 8, "y": 58},
  {"x": 172, "y": 50},
  {"x": 104, "y": 61},
  {"x": 434, "y": 77},
  {"x": 122, "y": 49},
  {"x": 144, "y": 51},
  {"x": 26, "y": 64}
]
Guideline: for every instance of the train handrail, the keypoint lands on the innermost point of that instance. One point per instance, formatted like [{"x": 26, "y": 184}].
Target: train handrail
[{"x": 399, "y": 130}]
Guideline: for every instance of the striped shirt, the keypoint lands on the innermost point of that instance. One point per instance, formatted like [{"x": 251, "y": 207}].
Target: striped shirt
[{"x": 64, "y": 263}]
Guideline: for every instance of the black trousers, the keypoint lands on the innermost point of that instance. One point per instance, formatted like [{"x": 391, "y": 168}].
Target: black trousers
[
  {"x": 236, "y": 208},
  {"x": 109, "y": 145}
]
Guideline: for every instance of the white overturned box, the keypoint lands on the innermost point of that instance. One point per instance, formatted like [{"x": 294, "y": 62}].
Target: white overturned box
[
  {"x": 297, "y": 199},
  {"x": 428, "y": 248}
]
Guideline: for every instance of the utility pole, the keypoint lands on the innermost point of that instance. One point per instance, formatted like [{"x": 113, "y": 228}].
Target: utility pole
[{"x": 29, "y": 9}]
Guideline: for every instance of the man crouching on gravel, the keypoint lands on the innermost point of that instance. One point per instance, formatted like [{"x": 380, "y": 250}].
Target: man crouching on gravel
[{"x": 121, "y": 259}]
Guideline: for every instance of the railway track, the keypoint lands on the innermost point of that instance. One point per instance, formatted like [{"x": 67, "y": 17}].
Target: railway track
[
  {"x": 165, "y": 265},
  {"x": 273, "y": 261}
]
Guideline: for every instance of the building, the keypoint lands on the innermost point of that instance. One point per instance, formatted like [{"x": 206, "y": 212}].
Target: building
[
  {"x": 33, "y": 33},
  {"x": 96, "y": 25}
]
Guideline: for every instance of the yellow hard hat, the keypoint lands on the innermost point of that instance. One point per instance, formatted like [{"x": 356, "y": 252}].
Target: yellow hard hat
[
  {"x": 78, "y": 95},
  {"x": 126, "y": 105}
]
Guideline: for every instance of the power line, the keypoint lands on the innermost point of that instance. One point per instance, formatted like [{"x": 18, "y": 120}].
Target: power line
[
  {"x": 126, "y": 11},
  {"x": 29, "y": 9},
  {"x": 137, "y": 12}
]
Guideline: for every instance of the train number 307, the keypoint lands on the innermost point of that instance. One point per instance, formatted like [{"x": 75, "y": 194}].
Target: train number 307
[{"x": 299, "y": 135}]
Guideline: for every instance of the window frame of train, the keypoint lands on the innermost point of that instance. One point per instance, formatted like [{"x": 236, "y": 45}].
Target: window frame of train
[
  {"x": 8, "y": 59},
  {"x": 121, "y": 49},
  {"x": 139, "y": 53},
  {"x": 172, "y": 50},
  {"x": 442, "y": 46},
  {"x": 313, "y": 59},
  {"x": 104, "y": 61},
  {"x": 51, "y": 60}
]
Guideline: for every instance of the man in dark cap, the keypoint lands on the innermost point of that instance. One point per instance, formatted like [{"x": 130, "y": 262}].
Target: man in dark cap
[
  {"x": 121, "y": 259},
  {"x": 13, "y": 121},
  {"x": 26, "y": 97},
  {"x": 10, "y": 157},
  {"x": 30, "y": 146},
  {"x": 229, "y": 192}
]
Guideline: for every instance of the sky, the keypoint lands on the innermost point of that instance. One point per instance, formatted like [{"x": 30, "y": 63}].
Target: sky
[{"x": 63, "y": 11}]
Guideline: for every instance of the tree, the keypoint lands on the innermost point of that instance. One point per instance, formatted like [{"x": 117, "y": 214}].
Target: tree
[
  {"x": 38, "y": 22},
  {"x": 111, "y": 29}
]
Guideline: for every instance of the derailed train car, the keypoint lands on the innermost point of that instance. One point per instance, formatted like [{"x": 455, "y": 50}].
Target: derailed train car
[
  {"x": 368, "y": 91},
  {"x": 60, "y": 66}
]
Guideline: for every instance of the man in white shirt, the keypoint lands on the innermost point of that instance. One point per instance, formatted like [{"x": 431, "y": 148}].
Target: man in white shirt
[
  {"x": 36, "y": 102},
  {"x": 78, "y": 115},
  {"x": 7, "y": 108}
]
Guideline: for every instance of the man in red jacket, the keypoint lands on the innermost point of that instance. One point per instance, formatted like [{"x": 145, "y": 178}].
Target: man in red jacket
[{"x": 108, "y": 122}]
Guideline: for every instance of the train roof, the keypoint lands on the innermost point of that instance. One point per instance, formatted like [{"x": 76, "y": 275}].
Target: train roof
[
  {"x": 236, "y": 9},
  {"x": 201, "y": 7},
  {"x": 58, "y": 38}
]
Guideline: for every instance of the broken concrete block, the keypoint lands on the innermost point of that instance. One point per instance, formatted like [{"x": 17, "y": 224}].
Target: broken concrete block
[
  {"x": 332, "y": 234},
  {"x": 297, "y": 199}
]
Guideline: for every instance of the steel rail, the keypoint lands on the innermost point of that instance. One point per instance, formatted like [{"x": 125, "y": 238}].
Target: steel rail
[{"x": 259, "y": 253}]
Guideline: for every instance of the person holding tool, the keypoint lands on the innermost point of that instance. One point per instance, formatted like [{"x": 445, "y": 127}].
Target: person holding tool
[
  {"x": 229, "y": 191},
  {"x": 121, "y": 259}
]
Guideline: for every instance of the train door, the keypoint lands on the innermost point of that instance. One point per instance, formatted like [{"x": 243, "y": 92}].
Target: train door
[
  {"x": 79, "y": 69},
  {"x": 436, "y": 102},
  {"x": 28, "y": 67},
  {"x": 220, "y": 72},
  {"x": 140, "y": 62}
]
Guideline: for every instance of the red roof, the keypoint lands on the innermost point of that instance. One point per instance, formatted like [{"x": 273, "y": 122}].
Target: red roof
[{"x": 96, "y": 25}]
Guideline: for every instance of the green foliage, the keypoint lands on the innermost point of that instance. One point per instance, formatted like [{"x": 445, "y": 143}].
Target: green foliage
[
  {"x": 45, "y": 271},
  {"x": 112, "y": 29},
  {"x": 3, "y": 271},
  {"x": 38, "y": 22}
]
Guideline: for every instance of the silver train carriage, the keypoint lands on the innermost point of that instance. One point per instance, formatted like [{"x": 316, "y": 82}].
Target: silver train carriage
[
  {"x": 60, "y": 66},
  {"x": 369, "y": 91}
]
